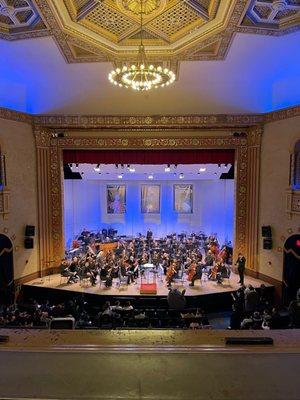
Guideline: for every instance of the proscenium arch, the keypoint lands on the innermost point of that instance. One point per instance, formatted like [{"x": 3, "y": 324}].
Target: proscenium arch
[{"x": 51, "y": 143}]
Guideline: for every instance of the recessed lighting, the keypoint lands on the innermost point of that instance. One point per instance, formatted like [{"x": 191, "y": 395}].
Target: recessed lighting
[
  {"x": 181, "y": 176},
  {"x": 120, "y": 176},
  {"x": 150, "y": 176},
  {"x": 167, "y": 168},
  {"x": 77, "y": 166},
  {"x": 202, "y": 169},
  {"x": 131, "y": 169},
  {"x": 97, "y": 168}
]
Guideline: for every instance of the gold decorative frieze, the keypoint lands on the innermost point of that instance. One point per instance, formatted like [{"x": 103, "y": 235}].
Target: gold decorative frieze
[
  {"x": 285, "y": 113},
  {"x": 142, "y": 123},
  {"x": 18, "y": 116},
  {"x": 166, "y": 122}
]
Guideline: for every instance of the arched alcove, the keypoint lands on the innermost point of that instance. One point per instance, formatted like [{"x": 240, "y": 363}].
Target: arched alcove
[
  {"x": 291, "y": 268},
  {"x": 6, "y": 270}
]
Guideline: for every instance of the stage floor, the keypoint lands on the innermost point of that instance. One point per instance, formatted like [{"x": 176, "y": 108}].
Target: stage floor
[{"x": 204, "y": 288}]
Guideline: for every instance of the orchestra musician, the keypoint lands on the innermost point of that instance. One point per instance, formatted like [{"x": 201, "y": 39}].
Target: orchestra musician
[
  {"x": 167, "y": 254},
  {"x": 171, "y": 272},
  {"x": 197, "y": 274}
]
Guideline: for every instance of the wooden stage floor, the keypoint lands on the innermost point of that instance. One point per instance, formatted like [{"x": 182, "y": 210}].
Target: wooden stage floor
[{"x": 206, "y": 287}]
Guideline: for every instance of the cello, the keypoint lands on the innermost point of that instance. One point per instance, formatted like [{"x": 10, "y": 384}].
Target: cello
[
  {"x": 171, "y": 271},
  {"x": 192, "y": 271}
]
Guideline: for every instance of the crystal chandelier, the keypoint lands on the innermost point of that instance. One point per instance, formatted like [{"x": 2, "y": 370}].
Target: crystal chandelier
[{"x": 141, "y": 75}]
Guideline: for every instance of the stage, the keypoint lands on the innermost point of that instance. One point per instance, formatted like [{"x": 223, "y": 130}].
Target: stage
[{"x": 205, "y": 287}]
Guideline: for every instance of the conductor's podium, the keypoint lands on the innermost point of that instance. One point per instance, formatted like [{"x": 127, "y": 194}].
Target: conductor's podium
[{"x": 148, "y": 283}]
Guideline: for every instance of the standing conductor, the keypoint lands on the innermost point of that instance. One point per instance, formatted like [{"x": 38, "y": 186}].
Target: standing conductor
[{"x": 241, "y": 263}]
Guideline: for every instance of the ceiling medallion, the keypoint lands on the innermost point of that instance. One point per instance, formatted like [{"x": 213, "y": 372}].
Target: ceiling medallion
[
  {"x": 141, "y": 75},
  {"x": 144, "y": 6}
]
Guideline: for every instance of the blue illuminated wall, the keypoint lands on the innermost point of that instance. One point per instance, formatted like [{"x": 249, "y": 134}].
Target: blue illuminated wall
[{"x": 85, "y": 207}]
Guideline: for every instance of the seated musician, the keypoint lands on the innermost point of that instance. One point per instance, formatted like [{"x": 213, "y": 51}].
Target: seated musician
[
  {"x": 209, "y": 259},
  {"x": 222, "y": 273},
  {"x": 198, "y": 273},
  {"x": 125, "y": 271},
  {"x": 65, "y": 271},
  {"x": 171, "y": 272}
]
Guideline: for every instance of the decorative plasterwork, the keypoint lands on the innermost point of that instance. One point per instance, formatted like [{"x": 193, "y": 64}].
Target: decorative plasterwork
[
  {"x": 167, "y": 122},
  {"x": 162, "y": 122},
  {"x": 20, "y": 18},
  {"x": 285, "y": 113},
  {"x": 278, "y": 15},
  {"x": 18, "y": 116},
  {"x": 174, "y": 30}
]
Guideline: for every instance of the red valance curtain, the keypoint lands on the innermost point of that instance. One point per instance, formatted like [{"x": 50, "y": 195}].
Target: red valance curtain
[{"x": 202, "y": 156}]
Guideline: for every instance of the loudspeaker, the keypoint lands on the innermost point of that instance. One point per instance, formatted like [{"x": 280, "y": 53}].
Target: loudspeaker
[
  {"x": 266, "y": 231},
  {"x": 267, "y": 244},
  {"x": 29, "y": 230},
  {"x": 28, "y": 243}
]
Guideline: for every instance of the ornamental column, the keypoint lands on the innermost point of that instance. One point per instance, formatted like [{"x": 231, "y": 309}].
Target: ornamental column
[
  {"x": 42, "y": 138},
  {"x": 253, "y": 179}
]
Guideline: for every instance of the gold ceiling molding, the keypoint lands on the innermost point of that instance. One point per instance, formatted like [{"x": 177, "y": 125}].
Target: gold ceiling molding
[
  {"x": 159, "y": 122},
  {"x": 271, "y": 16},
  {"x": 21, "y": 19},
  {"x": 166, "y": 122},
  {"x": 18, "y": 116},
  {"x": 174, "y": 30},
  {"x": 285, "y": 113}
]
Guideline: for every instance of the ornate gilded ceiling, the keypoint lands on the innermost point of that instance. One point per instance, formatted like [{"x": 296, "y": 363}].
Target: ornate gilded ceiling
[{"x": 173, "y": 30}]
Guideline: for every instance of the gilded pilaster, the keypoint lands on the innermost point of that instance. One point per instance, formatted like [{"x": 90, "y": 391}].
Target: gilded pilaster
[
  {"x": 42, "y": 137},
  {"x": 253, "y": 174}
]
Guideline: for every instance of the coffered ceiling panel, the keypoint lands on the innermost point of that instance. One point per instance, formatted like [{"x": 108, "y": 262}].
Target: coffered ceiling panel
[
  {"x": 20, "y": 18},
  {"x": 173, "y": 30}
]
